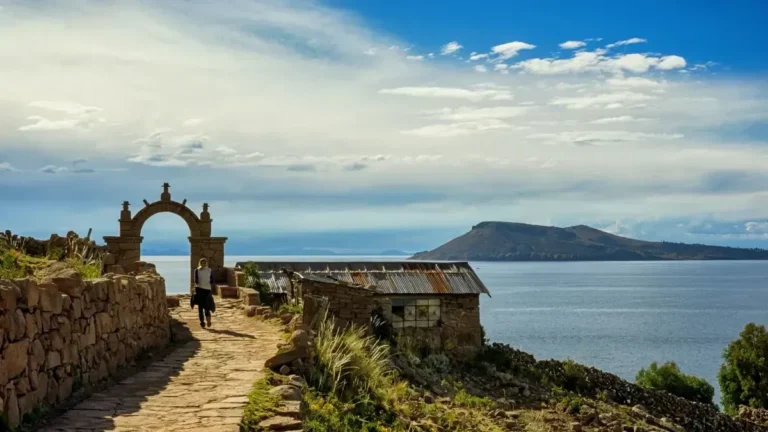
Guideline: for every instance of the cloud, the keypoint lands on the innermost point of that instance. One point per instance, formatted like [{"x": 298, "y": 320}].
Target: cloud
[
  {"x": 510, "y": 49},
  {"x": 477, "y": 56},
  {"x": 289, "y": 89},
  {"x": 7, "y": 167},
  {"x": 481, "y": 69},
  {"x": 416, "y": 57},
  {"x": 619, "y": 119},
  {"x": 572, "y": 44},
  {"x": 634, "y": 40},
  {"x": 756, "y": 227},
  {"x": 671, "y": 62},
  {"x": 355, "y": 166},
  {"x": 450, "y": 93},
  {"x": 52, "y": 169},
  {"x": 450, "y": 48},
  {"x": 84, "y": 171},
  {"x": 192, "y": 122},
  {"x": 79, "y": 161}
]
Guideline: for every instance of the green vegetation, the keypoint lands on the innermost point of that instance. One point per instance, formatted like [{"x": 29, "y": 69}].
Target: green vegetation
[
  {"x": 743, "y": 376},
  {"x": 12, "y": 266},
  {"x": 87, "y": 269},
  {"x": 261, "y": 404},
  {"x": 253, "y": 280},
  {"x": 669, "y": 378},
  {"x": 291, "y": 308},
  {"x": 575, "y": 377},
  {"x": 356, "y": 388}
]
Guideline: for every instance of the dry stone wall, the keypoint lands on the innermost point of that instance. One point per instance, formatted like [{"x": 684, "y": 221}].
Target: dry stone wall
[
  {"x": 347, "y": 304},
  {"x": 63, "y": 333}
]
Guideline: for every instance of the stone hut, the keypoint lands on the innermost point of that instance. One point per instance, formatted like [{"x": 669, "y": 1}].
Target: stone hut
[{"x": 437, "y": 303}]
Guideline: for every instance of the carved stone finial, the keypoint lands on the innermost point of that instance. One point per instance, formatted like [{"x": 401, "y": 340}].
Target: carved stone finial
[
  {"x": 205, "y": 216},
  {"x": 165, "y": 196},
  {"x": 125, "y": 205},
  {"x": 205, "y": 207},
  {"x": 125, "y": 215}
]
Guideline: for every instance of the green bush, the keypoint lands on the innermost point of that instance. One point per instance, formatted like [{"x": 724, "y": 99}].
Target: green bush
[
  {"x": 10, "y": 267},
  {"x": 743, "y": 376},
  {"x": 253, "y": 280},
  {"x": 669, "y": 378},
  {"x": 575, "y": 377}
]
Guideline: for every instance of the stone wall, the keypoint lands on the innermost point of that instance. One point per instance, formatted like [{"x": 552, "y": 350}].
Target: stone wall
[
  {"x": 63, "y": 333},
  {"x": 754, "y": 415},
  {"x": 347, "y": 304}
]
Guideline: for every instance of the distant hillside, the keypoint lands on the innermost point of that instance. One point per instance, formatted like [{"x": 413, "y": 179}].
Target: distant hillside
[{"x": 507, "y": 241}]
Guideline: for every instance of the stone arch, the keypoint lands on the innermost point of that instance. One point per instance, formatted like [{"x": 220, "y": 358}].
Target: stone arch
[{"x": 125, "y": 249}]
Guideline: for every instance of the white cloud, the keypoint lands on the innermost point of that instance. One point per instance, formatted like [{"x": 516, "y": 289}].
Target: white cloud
[
  {"x": 671, "y": 62},
  {"x": 451, "y": 93},
  {"x": 458, "y": 129},
  {"x": 600, "y": 100},
  {"x": 510, "y": 49},
  {"x": 192, "y": 122},
  {"x": 572, "y": 44},
  {"x": 52, "y": 169},
  {"x": 273, "y": 80},
  {"x": 619, "y": 119},
  {"x": 450, "y": 48},
  {"x": 415, "y": 57},
  {"x": 7, "y": 167},
  {"x": 634, "y": 40},
  {"x": 476, "y": 56},
  {"x": 481, "y": 68},
  {"x": 756, "y": 227}
]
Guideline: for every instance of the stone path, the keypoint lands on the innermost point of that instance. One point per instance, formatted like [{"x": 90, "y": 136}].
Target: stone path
[{"x": 201, "y": 386}]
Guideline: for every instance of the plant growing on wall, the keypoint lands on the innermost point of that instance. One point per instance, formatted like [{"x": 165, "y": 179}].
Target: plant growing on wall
[{"x": 253, "y": 280}]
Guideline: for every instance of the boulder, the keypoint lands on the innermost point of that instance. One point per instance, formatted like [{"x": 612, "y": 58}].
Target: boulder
[
  {"x": 285, "y": 358},
  {"x": 286, "y": 318},
  {"x": 172, "y": 302},
  {"x": 12, "y": 409},
  {"x": 285, "y": 370},
  {"x": 280, "y": 423},
  {"x": 286, "y": 392},
  {"x": 300, "y": 339},
  {"x": 250, "y": 311},
  {"x": 69, "y": 282}
]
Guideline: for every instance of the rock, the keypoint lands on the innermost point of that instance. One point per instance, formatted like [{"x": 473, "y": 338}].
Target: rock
[
  {"x": 299, "y": 339},
  {"x": 9, "y": 295},
  {"x": 50, "y": 298},
  {"x": 53, "y": 391},
  {"x": 286, "y": 392},
  {"x": 576, "y": 427},
  {"x": 526, "y": 392},
  {"x": 296, "y": 381},
  {"x": 250, "y": 311},
  {"x": 32, "y": 328},
  {"x": 289, "y": 409},
  {"x": 286, "y": 318},
  {"x": 18, "y": 325},
  {"x": 227, "y": 292},
  {"x": 12, "y": 409},
  {"x": 53, "y": 360},
  {"x": 172, "y": 302},
  {"x": 69, "y": 282},
  {"x": 30, "y": 295},
  {"x": 670, "y": 425},
  {"x": 22, "y": 386},
  {"x": 640, "y": 411},
  {"x": 280, "y": 424},
  {"x": 38, "y": 352},
  {"x": 285, "y": 370},
  {"x": 428, "y": 398},
  {"x": 15, "y": 359},
  {"x": 65, "y": 388},
  {"x": 285, "y": 358}
]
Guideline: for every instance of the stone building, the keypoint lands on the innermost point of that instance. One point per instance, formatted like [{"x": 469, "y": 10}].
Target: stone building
[{"x": 437, "y": 303}]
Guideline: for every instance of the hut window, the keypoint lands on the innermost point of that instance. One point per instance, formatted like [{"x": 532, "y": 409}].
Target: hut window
[{"x": 415, "y": 312}]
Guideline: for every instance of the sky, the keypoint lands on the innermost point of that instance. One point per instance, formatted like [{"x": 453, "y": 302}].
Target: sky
[{"x": 364, "y": 126}]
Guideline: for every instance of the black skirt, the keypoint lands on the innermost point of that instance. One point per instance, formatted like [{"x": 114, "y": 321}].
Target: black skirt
[{"x": 203, "y": 297}]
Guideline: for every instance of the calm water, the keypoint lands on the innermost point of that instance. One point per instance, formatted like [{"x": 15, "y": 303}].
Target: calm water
[{"x": 618, "y": 317}]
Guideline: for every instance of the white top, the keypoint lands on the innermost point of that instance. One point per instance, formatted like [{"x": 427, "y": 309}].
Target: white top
[{"x": 203, "y": 278}]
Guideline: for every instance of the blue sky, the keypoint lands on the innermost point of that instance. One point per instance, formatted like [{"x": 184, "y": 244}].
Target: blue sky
[{"x": 364, "y": 126}]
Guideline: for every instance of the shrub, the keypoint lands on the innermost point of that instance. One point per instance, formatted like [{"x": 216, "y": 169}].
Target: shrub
[
  {"x": 575, "y": 377},
  {"x": 669, "y": 378},
  {"x": 87, "y": 269},
  {"x": 10, "y": 266},
  {"x": 253, "y": 280},
  {"x": 743, "y": 376}
]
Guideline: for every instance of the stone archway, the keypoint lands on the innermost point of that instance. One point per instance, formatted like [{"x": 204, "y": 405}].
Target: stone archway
[{"x": 127, "y": 246}]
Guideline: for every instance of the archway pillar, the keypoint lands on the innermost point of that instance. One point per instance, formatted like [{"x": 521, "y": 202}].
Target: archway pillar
[
  {"x": 210, "y": 248},
  {"x": 127, "y": 249}
]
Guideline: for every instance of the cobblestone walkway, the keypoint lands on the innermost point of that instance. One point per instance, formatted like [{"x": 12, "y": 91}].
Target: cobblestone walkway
[{"x": 201, "y": 386}]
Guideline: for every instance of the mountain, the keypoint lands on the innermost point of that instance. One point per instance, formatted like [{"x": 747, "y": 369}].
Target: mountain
[{"x": 507, "y": 241}]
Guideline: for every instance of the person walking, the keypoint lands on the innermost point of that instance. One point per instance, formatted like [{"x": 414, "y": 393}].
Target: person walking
[{"x": 203, "y": 296}]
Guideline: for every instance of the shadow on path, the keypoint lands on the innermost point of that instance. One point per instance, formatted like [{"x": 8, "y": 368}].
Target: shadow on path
[{"x": 201, "y": 383}]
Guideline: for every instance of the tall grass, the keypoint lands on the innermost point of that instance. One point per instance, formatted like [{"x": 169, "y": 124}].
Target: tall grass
[{"x": 349, "y": 363}]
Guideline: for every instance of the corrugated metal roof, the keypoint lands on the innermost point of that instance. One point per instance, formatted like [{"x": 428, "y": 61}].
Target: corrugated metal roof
[{"x": 388, "y": 277}]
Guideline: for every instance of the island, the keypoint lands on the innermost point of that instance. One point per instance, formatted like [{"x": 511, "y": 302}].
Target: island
[{"x": 508, "y": 241}]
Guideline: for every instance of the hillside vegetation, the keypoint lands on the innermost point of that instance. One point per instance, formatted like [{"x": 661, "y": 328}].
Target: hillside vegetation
[{"x": 507, "y": 241}]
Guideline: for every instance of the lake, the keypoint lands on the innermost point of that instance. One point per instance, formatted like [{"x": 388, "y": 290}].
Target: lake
[{"x": 616, "y": 316}]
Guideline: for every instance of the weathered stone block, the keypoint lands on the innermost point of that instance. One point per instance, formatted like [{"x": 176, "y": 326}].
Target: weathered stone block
[
  {"x": 50, "y": 298},
  {"x": 9, "y": 295},
  {"x": 228, "y": 292},
  {"x": 249, "y": 296},
  {"x": 15, "y": 359},
  {"x": 69, "y": 282},
  {"x": 30, "y": 296}
]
